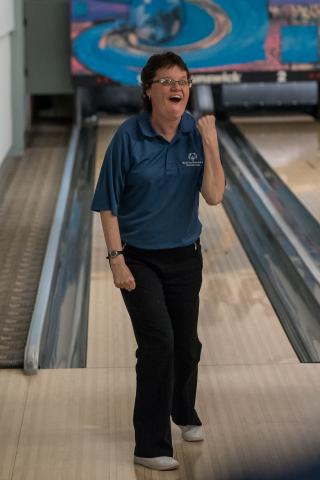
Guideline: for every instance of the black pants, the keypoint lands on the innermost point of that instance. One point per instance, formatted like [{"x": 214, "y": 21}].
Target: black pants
[{"x": 164, "y": 312}]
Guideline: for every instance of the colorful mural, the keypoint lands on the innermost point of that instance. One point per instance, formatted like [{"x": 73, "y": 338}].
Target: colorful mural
[{"x": 222, "y": 41}]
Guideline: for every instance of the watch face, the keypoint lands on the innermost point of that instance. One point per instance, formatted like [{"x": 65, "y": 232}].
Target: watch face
[{"x": 113, "y": 253}]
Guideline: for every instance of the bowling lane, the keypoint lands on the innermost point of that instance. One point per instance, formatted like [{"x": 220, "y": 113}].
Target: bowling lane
[
  {"x": 291, "y": 146},
  {"x": 237, "y": 323}
]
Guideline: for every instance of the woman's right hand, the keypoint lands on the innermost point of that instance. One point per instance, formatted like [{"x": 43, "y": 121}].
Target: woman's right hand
[{"x": 122, "y": 276}]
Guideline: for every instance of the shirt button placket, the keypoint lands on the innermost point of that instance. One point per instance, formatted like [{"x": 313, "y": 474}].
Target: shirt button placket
[{"x": 171, "y": 166}]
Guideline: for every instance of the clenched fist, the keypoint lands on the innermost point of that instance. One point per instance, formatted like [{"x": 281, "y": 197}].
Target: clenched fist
[{"x": 207, "y": 127}]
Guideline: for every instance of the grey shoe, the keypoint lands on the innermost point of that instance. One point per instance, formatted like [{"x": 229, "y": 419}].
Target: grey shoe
[
  {"x": 157, "y": 463},
  {"x": 192, "y": 433}
]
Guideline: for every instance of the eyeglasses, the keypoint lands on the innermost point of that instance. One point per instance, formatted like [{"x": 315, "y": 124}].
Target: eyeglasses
[{"x": 169, "y": 82}]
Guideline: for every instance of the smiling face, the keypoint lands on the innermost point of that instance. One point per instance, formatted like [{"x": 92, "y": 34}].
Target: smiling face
[{"x": 169, "y": 102}]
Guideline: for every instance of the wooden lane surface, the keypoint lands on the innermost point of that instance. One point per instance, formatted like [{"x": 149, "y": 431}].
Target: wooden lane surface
[
  {"x": 237, "y": 324},
  {"x": 291, "y": 146}
]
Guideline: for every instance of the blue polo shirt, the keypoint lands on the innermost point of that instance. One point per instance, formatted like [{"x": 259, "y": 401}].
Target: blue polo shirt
[{"x": 153, "y": 185}]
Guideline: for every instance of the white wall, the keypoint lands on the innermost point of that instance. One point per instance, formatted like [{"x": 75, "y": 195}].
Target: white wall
[{"x": 6, "y": 27}]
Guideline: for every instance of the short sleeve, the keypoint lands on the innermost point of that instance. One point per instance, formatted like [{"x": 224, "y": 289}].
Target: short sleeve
[
  {"x": 200, "y": 178},
  {"x": 111, "y": 181}
]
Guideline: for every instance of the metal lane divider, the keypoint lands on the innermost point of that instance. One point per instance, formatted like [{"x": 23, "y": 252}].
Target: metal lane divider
[{"x": 32, "y": 349}]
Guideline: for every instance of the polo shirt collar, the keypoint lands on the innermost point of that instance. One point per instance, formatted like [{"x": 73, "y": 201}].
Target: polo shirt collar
[{"x": 186, "y": 124}]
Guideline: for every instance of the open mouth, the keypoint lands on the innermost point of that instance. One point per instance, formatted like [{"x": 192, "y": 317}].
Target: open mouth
[{"x": 175, "y": 98}]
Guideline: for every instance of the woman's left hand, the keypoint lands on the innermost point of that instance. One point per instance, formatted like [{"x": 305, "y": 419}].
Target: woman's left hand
[{"x": 207, "y": 127}]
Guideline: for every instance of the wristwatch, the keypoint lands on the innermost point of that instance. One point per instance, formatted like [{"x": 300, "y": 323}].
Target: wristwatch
[{"x": 114, "y": 254}]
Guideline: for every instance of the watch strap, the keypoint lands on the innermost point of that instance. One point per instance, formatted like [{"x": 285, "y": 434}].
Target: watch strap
[{"x": 114, "y": 254}]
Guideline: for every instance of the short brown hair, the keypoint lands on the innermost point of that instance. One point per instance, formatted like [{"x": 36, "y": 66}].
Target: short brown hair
[{"x": 159, "y": 60}]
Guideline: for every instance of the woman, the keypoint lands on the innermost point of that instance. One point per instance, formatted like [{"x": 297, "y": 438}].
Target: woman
[{"x": 148, "y": 198}]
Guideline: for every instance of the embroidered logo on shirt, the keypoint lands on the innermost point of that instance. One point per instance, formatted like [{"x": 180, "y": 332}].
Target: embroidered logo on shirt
[
  {"x": 192, "y": 156},
  {"x": 193, "y": 160}
]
